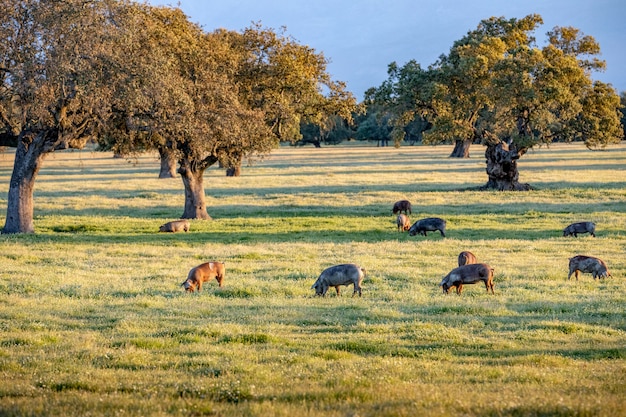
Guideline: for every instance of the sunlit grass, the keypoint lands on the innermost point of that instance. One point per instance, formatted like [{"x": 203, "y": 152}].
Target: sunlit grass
[{"x": 94, "y": 321}]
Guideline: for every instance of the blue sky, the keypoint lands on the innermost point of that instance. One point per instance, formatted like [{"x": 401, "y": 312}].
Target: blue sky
[{"x": 361, "y": 37}]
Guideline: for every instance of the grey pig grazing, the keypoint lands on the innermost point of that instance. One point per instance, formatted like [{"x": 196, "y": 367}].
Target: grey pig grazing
[
  {"x": 468, "y": 274},
  {"x": 334, "y": 276},
  {"x": 175, "y": 226},
  {"x": 400, "y": 206},
  {"x": 466, "y": 258},
  {"x": 203, "y": 273},
  {"x": 429, "y": 224},
  {"x": 589, "y": 264},
  {"x": 581, "y": 227},
  {"x": 403, "y": 223}
]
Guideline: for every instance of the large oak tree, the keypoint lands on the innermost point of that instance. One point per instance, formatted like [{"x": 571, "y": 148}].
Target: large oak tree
[
  {"x": 202, "y": 98},
  {"x": 497, "y": 87},
  {"x": 53, "y": 87},
  {"x": 177, "y": 98}
]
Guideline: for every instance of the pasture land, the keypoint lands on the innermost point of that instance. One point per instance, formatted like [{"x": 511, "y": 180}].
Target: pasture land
[{"x": 93, "y": 320}]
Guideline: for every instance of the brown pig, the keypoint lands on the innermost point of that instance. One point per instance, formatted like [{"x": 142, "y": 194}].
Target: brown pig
[
  {"x": 403, "y": 223},
  {"x": 589, "y": 264},
  {"x": 468, "y": 274},
  {"x": 466, "y": 258},
  {"x": 402, "y": 206},
  {"x": 203, "y": 273},
  {"x": 175, "y": 226}
]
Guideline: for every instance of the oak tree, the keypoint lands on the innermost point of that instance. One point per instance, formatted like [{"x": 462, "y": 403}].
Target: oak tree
[
  {"x": 54, "y": 89},
  {"x": 287, "y": 82},
  {"x": 497, "y": 87}
]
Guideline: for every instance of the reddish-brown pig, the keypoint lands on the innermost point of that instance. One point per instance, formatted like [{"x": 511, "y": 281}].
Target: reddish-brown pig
[{"x": 203, "y": 273}]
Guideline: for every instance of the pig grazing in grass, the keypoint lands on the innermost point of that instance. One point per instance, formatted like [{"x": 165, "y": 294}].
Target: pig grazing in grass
[
  {"x": 403, "y": 223},
  {"x": 588, "y": 264},
  {"x": 203, "y": 273},
  {"x": 334, "y": 276},
  {"x": 430, "y": 224},
  {"x": 468, "y": 274},
  {"x": 581, "y": 227},
  {"x": 175, "y": 226},
  {"x": 466, "y": 258},
  {"x": 402, "y": 206}
]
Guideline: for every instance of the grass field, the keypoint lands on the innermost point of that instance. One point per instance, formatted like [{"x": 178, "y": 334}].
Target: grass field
[{"x": 93, "y": 320}]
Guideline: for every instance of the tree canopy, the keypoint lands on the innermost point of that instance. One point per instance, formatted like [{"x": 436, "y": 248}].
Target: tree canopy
[
  {"x": 54, "y": 92},
  {"x": 138, "y": 77},
  {"x": 497, "y": 87}
]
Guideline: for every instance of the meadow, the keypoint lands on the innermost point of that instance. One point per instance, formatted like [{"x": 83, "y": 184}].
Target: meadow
[{"x": 93, "y": 321}]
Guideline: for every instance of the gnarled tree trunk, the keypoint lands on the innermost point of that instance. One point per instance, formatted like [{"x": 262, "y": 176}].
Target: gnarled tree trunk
[
  {"x": 195, "y": 205},
  {"x": 502, "y": 168},
  {"x": 20, "y": 204},
  {"x": 168, "y": 164},
  {"x": 461, "y": 148}
]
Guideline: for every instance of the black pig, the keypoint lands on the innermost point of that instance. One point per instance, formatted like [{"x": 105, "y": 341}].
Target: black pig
[{"x": 429, "y": 224}]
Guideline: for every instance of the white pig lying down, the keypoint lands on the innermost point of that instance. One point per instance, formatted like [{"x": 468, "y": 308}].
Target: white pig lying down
[
  {"x": 334, "y": 276},
  {"x": 468, "y": 274},
  {"x": 175, "y": 226}
]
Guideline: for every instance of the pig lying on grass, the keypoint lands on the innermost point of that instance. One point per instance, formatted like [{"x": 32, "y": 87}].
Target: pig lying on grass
[
  {"x": 589, "y": 264},
  {"x": 468, "y": 274},
  {"x": 203, "y": 273},
  {"x": 334, "y": 276},
  {"x": 175, "y": 226}
]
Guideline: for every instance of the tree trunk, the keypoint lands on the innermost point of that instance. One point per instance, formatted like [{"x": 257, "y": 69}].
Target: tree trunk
[
  {"x": 195, "y": 205},
  {"x": 461, "y": 148},
  {"x": 502, "y": 168},
  {"x": 168, "y": 164},
  {"x": 235, "y": 169},
  {"x": 20, "y": 203}
]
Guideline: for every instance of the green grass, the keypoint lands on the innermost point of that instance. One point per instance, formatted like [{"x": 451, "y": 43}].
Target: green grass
[{"x": 93, "y": 320}]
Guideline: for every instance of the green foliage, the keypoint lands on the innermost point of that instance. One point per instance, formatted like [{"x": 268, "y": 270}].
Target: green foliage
[
  {"x": 94, "y": 321},
  {"x": 496, "y": 84}
]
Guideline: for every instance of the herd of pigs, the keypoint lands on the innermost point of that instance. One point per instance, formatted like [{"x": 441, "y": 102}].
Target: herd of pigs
[{"x": 469, "y": 271}]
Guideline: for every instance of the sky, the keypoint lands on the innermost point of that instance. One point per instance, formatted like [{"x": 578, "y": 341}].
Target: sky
[{"x": 361, "y": 38}]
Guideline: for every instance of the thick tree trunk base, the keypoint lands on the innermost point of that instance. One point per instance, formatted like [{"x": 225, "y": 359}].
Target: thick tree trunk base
[
  {"x": 506, "y": 186},
  {"x": 195, "y": 205},
  {"x": 20, "y": 202},
  {"x": 461, "y": 149},
  {"x": 502, "y": 169}
]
